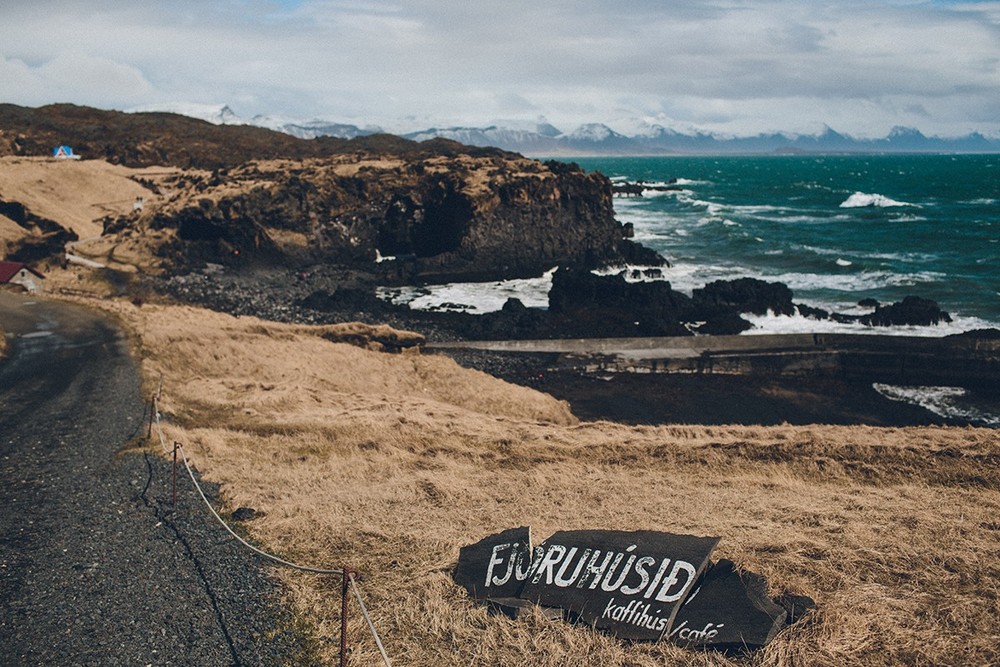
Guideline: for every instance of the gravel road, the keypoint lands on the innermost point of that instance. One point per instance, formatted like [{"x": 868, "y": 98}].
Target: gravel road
[{"x": 97, "y": 567}]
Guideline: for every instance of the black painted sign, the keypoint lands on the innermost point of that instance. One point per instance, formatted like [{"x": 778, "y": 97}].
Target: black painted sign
[
  {"x": 728, "y": 609},
  {"x": 641, "y": 585},
  {"x": 497, "y": 565},
  {"x": 630, "y": 584}
]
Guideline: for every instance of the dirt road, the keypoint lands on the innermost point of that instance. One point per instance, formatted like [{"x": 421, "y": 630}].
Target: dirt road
[{"x": 96, "y": 566}]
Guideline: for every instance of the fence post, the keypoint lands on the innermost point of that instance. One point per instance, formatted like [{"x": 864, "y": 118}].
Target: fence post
[
  {"x": 345, "y": 582},
  {"x": 173, "y": 496},
  {"x": 152, "y": 416}
]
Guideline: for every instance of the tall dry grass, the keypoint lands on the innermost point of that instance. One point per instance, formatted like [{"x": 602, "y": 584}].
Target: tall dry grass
[{"x": 391, "y": 463}]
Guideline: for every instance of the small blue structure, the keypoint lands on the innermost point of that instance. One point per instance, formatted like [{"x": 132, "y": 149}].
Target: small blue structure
[{"x": 64, "y": 153}]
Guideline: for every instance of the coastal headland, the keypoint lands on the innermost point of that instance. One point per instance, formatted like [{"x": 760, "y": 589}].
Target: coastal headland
[
  {"x": 307, "y": 230},
  {"x": 244, "y": 272}
]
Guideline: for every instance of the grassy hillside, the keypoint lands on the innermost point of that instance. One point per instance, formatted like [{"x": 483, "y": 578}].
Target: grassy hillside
[{"x": 391, "y": 463}]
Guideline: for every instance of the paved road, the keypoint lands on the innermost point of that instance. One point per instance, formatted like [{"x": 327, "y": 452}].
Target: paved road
[{"x": 96, "y": 566}]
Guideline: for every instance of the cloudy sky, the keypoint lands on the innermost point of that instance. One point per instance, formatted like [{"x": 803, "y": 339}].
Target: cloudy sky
[{"x": 731, "y": 66}]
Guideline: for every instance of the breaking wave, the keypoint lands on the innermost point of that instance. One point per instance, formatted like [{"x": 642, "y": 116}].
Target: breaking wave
[
  {"x": 786, "y": 324},
  {"x": 948, "y": 402},
  {"x": 863, "y": 200}
]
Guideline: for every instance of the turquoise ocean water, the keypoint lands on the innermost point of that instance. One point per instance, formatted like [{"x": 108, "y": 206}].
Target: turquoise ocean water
[{"x": 836, "y": 229}]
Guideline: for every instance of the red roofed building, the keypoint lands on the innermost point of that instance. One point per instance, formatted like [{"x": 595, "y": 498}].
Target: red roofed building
[{"x": 19, "y": 273}]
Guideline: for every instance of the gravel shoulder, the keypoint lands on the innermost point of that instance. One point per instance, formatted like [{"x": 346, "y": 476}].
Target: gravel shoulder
[{"x": 97, "y": 567}]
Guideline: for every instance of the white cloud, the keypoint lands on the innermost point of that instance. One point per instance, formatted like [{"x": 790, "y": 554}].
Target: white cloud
[
  {"x": 729, "y": 65},
  {"x": 71, "y": 77}
]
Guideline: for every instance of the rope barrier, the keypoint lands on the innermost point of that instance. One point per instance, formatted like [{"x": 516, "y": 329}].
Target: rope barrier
[
  {"x": 364, "y": 612},
  {"x": 178, "y": 447},
  {"x": 272, "y": 557}
]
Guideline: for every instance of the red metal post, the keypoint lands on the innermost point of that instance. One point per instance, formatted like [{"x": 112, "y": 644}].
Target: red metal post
[
  {"x": 152, "y": 415},
  {"x": 173, "y": 497},
  {"x": 345, "y": 583}
]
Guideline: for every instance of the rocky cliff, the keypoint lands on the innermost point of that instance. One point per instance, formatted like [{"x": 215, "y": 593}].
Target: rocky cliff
[
  {"x": 247, "y": 195},
  {"x": 409, "y": 217}
]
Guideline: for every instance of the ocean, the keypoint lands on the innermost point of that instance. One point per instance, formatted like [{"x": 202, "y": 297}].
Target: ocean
[{"x": 836, "y": 229}]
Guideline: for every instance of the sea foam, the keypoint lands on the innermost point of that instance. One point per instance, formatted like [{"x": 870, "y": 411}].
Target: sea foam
[
  {"x": 787, "y": 324},
  {"x": 476, "y": 298},
  {"x": 948, "y": 402},
  {"x": 863, "y": 199}
]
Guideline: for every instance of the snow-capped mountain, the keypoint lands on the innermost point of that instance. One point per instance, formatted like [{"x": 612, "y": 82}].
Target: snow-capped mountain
[
  {"x": 526, "y": 141},
  {"x": 310, "y": 129},
  {"x": 217, "y": 114},
  {"x": 643, "y": 136},
  {"x": 594, "y": 132}
]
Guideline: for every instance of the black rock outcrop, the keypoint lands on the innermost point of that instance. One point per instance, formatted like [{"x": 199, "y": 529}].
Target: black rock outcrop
[
  {"x": 406, "y": 219},
  {"x": 611, "y": 306},
  {"x": 912, "y": 310},
  {"x": 745, "y": 295}
]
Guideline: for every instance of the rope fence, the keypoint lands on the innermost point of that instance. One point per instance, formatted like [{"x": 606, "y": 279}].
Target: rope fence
[{"x": 349, "y": 577}]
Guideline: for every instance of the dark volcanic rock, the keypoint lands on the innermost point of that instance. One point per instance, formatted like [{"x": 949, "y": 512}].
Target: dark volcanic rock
[
  {"x": 407, "y": 218},
  {"x": 526, "y": 221},
  {"x": 36, "y": 248},
  {"x": 811, "y": 312},
  {"x": 638, "y": 254},
  {"x": 514, "y": 321},
  {"x": 46, "y": 237},
  {"x": 209, "y": 232},
  {"x": 724, "y": 324},
  {"x": 745, "y": 295},
  {"x": 611, "y": 306},
  {"x": 912, "y": 310},
  {"x": 978, "y": 334}
]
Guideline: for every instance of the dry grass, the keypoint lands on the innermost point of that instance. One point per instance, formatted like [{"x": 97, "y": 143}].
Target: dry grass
[
  {"x": 78, "y": 195},
  {"x": 391, "y": 463},
  {"x": 10, "y": 232},
  {"x": 74, "y": 193}
]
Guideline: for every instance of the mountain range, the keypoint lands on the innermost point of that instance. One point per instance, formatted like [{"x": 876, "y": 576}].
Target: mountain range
[{"x": 543, "y": 139}]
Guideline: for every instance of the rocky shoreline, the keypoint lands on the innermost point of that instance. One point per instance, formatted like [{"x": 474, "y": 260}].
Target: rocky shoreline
[{"x": 328, "y": 295}]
